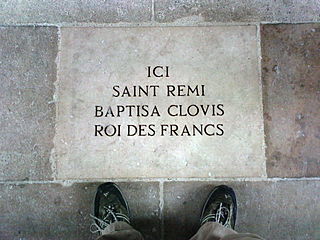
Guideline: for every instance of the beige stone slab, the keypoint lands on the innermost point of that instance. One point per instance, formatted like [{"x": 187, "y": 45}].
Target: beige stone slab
[{"x": 224, "y": 59}]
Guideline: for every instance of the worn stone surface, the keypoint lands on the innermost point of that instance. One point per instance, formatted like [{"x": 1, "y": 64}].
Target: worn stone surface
[
  {"x": 291, "y": 83},
  {"x": 51, "y": 211},
  {"x": 222, "y": 59},
  {"x": 291, "y": 11},
  {"x": 270, "y": 209},
  {"x": 27, "y": 111},
  {"x": 74, "y": 11},
  {"x": 137, "y": 11}
]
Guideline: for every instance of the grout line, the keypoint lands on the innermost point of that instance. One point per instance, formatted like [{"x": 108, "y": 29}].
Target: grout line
[
  {"x": 161, "y": 205},
  {"x": 151, "y": 23},
  {"x": 278, "y": 22},
  {"x": 30, "y": 25},
  {"x": 259, "y": 55},
  {"x": 52, "y": 158},
  {"x": 163, "y": 180},
  {"x": 152, "y": 11}
]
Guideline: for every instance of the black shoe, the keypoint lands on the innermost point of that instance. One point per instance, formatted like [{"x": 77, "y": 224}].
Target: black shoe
[
  {"x": 109, "y": 206},
  {"x": 221, "y": 207}
]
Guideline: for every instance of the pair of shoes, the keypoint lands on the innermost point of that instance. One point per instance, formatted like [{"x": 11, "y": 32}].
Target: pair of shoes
[{"x": 111, "y": 206}]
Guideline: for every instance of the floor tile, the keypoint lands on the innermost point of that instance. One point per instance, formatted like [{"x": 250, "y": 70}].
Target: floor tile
[
  {"x": 75, "y": 11},
  {"x": 52, "y": 211},
  {"x": 27, "y": 110},
  {"x": 270, "y": 209},
  {"x": 236, "y": 11},
  {"x": 291, "y": 73}
]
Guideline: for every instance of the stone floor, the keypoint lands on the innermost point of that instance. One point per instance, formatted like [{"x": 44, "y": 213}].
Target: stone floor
[
  {"x": 275, "y": 209},
  {"x": 283, "y": 205}
]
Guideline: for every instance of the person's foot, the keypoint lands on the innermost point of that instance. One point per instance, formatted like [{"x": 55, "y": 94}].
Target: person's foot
[
  {"x": 221, "y": 207},
  {"x": 109, "y": 206}
]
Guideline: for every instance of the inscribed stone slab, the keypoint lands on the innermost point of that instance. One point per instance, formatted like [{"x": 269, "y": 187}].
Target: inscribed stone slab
[{"x": 217, "y": 70}]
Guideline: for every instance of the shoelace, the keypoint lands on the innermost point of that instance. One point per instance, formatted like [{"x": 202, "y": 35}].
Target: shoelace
[
  {"x": 103, "y": 223},
  {"x": 222, "y": 213}
]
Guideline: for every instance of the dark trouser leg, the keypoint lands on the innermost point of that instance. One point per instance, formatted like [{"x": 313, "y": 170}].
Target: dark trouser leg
[
  {"x": 120, "y": 231},
  {"x": 215, "y": 231}
]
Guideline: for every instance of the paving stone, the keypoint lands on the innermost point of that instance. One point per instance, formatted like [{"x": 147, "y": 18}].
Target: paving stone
[
  {"x": 74, "y": 11},
  {"x": 274, "y": 210},
  {"x": 53, "y": 211},
  {"x": 291, "y": 86},
  {"x": 237, "y": 11},
  {"x": 222, "y": 60},
  {"x": 27, "y": 113}
]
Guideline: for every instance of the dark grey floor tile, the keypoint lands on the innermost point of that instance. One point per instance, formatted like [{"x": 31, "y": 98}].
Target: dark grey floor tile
[
  {"x": 27, "y": 111},
  {"x": 291, "y": 89},
  {"x": 274, "y": 210},
  {"x": 52, "y": 211}
]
